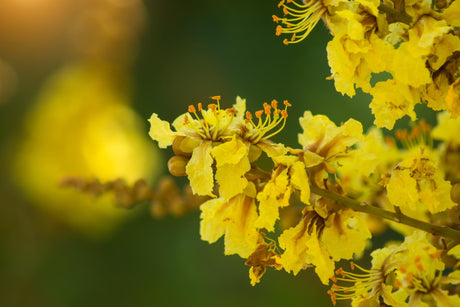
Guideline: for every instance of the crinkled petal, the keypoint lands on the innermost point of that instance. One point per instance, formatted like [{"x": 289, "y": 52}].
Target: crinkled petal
[
  {"x": 199, "y": 169},
  {"x": 160, "y": 131}
]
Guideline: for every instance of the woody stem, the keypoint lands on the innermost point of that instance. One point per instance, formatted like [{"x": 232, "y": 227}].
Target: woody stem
[{"x": 397, "y": 217}]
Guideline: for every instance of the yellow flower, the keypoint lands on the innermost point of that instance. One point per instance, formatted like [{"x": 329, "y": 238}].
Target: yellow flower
[
  {"x": 82, "y": 126},
  {"x": 416, "y": 182},
  {"x": 320, "y": 241},
  {"x": 325, "y": 144},
  {"x": 409, "y": 272},
  {"x": 225, "y": 139}
]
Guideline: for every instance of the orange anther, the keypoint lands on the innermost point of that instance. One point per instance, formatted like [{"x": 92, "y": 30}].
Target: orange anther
[
  {"x": 281, "y": 3},
  {"x": 335, "y": 287},
  {"x": 293, "y": 37},
  {"x": 267, "y": 108},
  {"x": 352, "y": 265},
  {"x": 215, "y": 97},
  {"x": 419, "y": 267},
  {"x": 284, "y": 114},
  {"x": 259, "y": 113},
  {"x": 286, "y": 103},
  {"x": 285, "y": 11},
  {"x": 274, "y": 104},
  {"x": 285, "y": 41},
  {"x": 212, "y": 107},
  {"x": 398, "y": 283},
  {"x": 275, "y": 18},
  {"x": 402, "y": 270},
  {"x": 340, "y": 271},
  {"x": 185, "y": 120},
  {"x": 200, "y": 106},
  {"x": 248, "y": 115},
  {"x": 191, "y": 109},
  {"x": 334, "y": 279},
  {"x": 279, "y": 30},
  {"x": 332, "y": 294},
  {"x": 417, "y": 259}
]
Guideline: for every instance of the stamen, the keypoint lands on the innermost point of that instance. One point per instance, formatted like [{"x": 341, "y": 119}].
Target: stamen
[
  {"x": 299, "y": 20},
  {"x": 200, "y": 106},
  {"x": 191, "y": 109},
  {"x": 259, "y": 114},
  {"x": 274, "y": 104}
]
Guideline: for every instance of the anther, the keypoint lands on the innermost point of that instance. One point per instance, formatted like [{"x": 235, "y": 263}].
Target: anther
[
  {"x": 285, "y": 41},
  {"x": 267, "y": 108},
  {"x": 259, "y": 113},
  {"x": 285, "y": 11},
  {"x": 215, "y": 97},
  {"x": 284, "y": 114},
  {"x": 280, "y": 3},
  {"x": 352, "y": 265},
  {"x": 212, "y": 107},
  {"x": 275, "y": 18},
  {"x": 191, "y": 109},
  {"x": 286, "y": 103},
  {"x": 248, "y": 115},
  {"x": 279, "y": 30},
  {"x": 274, "y": 104},
  {"x": 200, "y": 106}
]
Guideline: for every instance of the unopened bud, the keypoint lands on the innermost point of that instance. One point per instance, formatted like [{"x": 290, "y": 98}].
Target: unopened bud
[
  {"x": 176, "y": 165},
  {"x": 184, "y": 146}
]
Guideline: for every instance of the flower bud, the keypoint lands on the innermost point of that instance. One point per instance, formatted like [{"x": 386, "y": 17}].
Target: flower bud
[
  {"x": 176, "y": 165},
  {"x": 184, "y": 146}
]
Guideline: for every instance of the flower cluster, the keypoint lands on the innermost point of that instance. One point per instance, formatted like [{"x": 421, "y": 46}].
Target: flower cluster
[
  {"x": 401, "y": 52},
  {"x": 328, "y": 187}
]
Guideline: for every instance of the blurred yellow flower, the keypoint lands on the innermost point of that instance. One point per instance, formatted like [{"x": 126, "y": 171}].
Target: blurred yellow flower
[{"x": 81, "y": 125}]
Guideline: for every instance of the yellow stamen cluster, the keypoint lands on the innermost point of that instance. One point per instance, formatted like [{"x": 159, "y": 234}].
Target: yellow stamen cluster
[
  {"x": 273, "y": 118},
  {"x": 368, "y": 281},
  {"x": 208, "y": 130},
  {"x": 299, "y": 19}
]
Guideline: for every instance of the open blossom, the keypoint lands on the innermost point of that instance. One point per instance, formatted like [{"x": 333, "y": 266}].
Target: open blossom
[
  {"x": 229, "y": 138},
  {"x": 325, "y": 144},
  {"x": 320, "y": 241},
  {"x": 418, "y": 182},
  {"x": 408, "y": 274}
]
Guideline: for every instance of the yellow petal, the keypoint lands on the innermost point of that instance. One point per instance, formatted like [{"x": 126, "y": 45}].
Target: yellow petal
[
  {"x": 241, "y": 235},
  {"x": 300, "y": 181},
  {"x": 402, "y": 189},
  {"x": 199, "y": 169},
  {"x": 160, "y": 131},
  {"x": 213, "y": 213}
]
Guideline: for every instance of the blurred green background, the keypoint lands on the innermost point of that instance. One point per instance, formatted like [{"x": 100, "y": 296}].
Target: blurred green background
[{"x": 160, "y": 56}]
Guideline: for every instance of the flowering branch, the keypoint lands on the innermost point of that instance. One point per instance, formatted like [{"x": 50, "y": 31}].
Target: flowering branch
[{"x": 397, "y": 217}]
